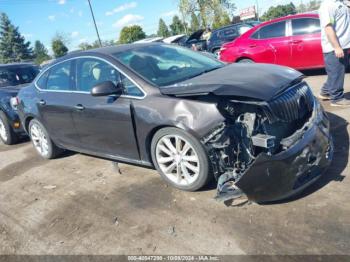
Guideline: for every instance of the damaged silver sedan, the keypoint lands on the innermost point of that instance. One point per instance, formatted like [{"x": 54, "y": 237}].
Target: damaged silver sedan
[{"x": 256, "y": 129}]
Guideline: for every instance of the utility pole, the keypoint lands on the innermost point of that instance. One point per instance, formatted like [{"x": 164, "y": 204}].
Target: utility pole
[
  {"x": 257, "y": 10},
  {"x": 93, "y": 18}
]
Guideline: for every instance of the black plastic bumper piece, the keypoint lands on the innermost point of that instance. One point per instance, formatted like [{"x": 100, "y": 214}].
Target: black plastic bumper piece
[{"x": 281, "y": 176}]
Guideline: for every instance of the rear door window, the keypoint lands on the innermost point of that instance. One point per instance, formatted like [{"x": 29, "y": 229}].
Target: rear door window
[
  {"x": 42, "y": 81},
  {"x": 59, "y": 78},
  {"x": 229, "y": 32},
  {"x": 306, "y": 26},
  {"x": 271, "y": 31}
]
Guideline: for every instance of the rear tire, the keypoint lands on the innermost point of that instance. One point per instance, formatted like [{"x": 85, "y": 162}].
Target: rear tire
[
  {"x": 42, "y": 141},
  {"x": 246, "y": 61},
  {"x": 7, "y": 135},
  {"x": 180, "y": 159}
]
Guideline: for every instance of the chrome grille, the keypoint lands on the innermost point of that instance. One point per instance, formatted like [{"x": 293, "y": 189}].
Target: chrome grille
[{"x": 293, "y": 104}]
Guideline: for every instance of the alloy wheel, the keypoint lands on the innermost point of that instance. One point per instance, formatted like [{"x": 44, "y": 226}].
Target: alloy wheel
[
  {"x": 39, "y": 140},
  {"x": 3, "y": 132},
  {"x": 178, "y": 160}
]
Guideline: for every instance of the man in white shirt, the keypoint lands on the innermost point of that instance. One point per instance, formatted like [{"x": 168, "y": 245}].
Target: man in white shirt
[{"x": 335, "y": 25}]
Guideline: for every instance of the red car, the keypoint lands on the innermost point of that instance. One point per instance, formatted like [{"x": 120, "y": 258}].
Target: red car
[{"x": 293, "y": 41}]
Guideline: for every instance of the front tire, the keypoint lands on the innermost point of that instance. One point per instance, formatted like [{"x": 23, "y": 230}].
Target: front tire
[
  {"x": 42, "y": 142},
  {"x": 7, "y": 135},
  {"x": 180, "y": 159}
]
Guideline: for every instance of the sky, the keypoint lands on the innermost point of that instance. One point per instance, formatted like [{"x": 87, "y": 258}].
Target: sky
[{"x": 42, "y": 19}]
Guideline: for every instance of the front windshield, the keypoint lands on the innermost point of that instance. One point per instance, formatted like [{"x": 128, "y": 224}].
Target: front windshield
[
  {"x": 166, "y": 65},
  {"x": 13, "y": 76}
]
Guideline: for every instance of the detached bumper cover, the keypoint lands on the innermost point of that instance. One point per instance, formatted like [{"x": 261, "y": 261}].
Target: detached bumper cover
[{"x": 272, "y": 178}]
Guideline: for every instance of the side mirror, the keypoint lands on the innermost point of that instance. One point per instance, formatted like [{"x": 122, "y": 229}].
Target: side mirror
[{"x": 106, "y": 89}]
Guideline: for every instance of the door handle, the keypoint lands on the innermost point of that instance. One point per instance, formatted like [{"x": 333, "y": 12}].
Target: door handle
[
  {"x": 79, "y": 107},
  {"x": 296, "y": 41},
  {"x": 42, "y": 102},
  {"x": 252, "y": 45}
]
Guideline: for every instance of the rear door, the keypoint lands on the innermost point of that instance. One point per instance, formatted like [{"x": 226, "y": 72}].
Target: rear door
[
  {"x": 306, "y": 43},
  {"x": 55, "y": 103},
  {"x": 270, "y": 44}
]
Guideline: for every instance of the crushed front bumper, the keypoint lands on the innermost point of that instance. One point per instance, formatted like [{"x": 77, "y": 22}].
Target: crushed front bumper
[{"x": 276, "y": 177}]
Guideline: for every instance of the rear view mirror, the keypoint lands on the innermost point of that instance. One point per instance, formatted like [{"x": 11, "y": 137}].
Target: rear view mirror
[{"x": 106, "y": 89}]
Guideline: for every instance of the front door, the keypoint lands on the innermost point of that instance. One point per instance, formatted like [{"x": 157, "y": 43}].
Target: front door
[{"x": 104, "y": 124}]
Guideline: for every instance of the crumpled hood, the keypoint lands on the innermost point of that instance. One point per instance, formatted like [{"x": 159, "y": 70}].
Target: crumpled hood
[{"x": 253, "y": 81}]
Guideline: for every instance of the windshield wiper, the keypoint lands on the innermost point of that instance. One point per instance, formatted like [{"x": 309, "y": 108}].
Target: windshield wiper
[
  {"x": 202, "y": 73},
  {"x": 193, "y": 76},
  {"x": 208, "y": 70}
]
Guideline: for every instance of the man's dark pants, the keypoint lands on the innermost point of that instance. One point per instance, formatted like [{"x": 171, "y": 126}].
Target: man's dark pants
[{"x": 335, "y": 68}]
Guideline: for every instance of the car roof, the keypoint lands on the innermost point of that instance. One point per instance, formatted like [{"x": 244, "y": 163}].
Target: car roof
[
  {"x": 228, "y": 26},
  {"x": 303, "y": 15},
  {"x": 149, "y": 40},
  {"x": 170, "y": 39},
  {"x": 119, "y": 48},
  {"x": 105, "y": 51}
]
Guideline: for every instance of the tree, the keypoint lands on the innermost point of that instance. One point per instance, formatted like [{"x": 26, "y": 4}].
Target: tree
[
  {"x": 177, "y": 27},
  {"x": 95, "y": 44},
  {"x": 195, "y": 25},
  {"x": 130, "y": 34},
  {"x": 40, "y": 52},
  {"x": 13, "y": 47},
  {"x": 207, "y": 10},
  {"x": 85, "y": 46},
  {"x": 301, "y": 8},
  {"x": 313, "y": 5},
  {"x": 163, "y": 29},
  {"x": 58, "y": 46},
  {"x": 310, "y": 6},
  {"x": 279, "y": 11},
  {"x": 220, "y": 21},
  {"x": 236, "y": 19}
]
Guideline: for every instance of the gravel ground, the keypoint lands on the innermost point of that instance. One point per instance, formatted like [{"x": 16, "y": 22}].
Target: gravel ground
[{"x": 81, "y": 205}]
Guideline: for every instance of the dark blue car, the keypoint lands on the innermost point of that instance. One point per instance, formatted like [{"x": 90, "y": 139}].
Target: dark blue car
[{"x": 226, "y": 34}]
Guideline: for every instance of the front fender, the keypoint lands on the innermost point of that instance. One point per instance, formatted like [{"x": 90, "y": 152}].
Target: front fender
[{"x": 195, "y": 117}]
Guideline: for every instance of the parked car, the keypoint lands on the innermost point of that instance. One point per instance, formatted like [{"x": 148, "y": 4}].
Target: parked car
[
  {"x": 176, "y": 39},
  {"x": 191, "y": 117},
  {"x": 196, "y": 39},
  {"x": 149, "y": 40},
  {"x": 224, "y": 35},
  {"x": 217, "y": 39},
  {"x": 293, "y": 41},
  {"x": 13, "y": 77}
]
